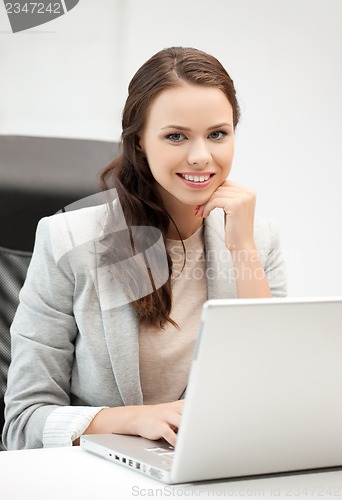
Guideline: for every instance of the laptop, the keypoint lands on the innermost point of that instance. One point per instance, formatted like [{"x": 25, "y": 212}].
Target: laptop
[{"x": 264, "y": 396}]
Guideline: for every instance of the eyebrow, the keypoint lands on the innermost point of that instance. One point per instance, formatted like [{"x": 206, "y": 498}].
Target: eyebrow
[{"x": 185, "y": 129}]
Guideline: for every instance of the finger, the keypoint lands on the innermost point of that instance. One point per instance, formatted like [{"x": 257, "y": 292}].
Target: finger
[
  {"x": 223, "y": 203},
  {"x": 179, "y": 406},
  {"x": 231, "y": 184},
  {"x": 174, "y": 419},
  {"x": 226, "y": 193},
  {"x": 169, "y": 435},
  {"x": 227, "y": 201}
]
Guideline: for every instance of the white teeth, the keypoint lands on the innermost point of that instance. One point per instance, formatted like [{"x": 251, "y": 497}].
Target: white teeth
[{"x": 195, "y": 178}]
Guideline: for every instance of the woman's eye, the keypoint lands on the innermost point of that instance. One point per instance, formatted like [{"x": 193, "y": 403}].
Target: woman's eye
[
  {"x": 219, "y": 134},
  {"x": 175, "y": 137}
]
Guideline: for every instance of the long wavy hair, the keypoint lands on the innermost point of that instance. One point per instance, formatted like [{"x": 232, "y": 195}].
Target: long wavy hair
[{"x": 130, "y": 173}]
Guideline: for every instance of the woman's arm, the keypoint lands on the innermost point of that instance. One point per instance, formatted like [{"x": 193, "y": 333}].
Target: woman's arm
[
  {"x": 250, "y": 276},
  {"x": 149, "y": 421},
  {"x": 42, "y": 347},
  {"x": 39, "y": 410},
  {"x": 253, "y": 280}
]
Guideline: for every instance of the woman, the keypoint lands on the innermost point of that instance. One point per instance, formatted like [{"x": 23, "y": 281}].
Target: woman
[{"x": 93, "y": 354}]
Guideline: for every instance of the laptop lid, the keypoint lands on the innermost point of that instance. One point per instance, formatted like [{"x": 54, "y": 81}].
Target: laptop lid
[{"x": 264, "y": 393}]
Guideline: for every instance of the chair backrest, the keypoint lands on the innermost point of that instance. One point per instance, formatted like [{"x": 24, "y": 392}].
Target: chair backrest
[
  {"x": 13, "y": 267},
  {"x": 38, "y": 177}
]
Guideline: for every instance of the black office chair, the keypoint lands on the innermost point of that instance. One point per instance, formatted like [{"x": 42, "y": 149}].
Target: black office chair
[
  {"x": 38, "y": 177},
  {"x": 13, "y": 267}
]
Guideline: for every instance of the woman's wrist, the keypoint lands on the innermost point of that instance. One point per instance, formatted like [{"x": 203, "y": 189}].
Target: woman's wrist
[
  {"x": 250, "y": 277},
  {"x": 117, "y": 420}
]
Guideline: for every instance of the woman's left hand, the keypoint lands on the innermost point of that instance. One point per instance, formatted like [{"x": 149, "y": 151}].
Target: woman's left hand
[{"x": 238, "y": 204}]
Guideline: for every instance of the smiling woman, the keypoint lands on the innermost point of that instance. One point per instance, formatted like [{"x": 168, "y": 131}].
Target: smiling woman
[{"x": 96, "y": 359}]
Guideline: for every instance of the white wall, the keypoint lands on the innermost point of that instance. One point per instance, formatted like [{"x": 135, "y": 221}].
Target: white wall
[
  {"x": 285, "y": 58},
  {"x": 61, "y": 78}
]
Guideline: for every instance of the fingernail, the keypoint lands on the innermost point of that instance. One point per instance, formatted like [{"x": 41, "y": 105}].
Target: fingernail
[{"x": 197, "y": 209}]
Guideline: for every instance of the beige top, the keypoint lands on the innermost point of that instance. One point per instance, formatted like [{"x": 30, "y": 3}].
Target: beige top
[{"x": 166, "y": 355}]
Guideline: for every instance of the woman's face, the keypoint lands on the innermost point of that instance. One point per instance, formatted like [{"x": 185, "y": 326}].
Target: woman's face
[{"x": 188, "y": 141}]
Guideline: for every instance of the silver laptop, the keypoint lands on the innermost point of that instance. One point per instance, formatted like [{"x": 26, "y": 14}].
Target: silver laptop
[{"x": 264, "y": 396}]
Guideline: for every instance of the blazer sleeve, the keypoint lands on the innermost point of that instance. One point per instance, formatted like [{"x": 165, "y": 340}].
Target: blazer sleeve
[{"x": 43, "y": 336}]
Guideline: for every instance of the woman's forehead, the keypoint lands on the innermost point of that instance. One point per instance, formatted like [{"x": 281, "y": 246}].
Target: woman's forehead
[{"x": 189, "y": 103}]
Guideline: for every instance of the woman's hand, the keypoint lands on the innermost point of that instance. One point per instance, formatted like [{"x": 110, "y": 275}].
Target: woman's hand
[
  {"x": 238, "y": 204},
  {"x": 149, "y": 421},
  {"x": 159, "y": 421}
]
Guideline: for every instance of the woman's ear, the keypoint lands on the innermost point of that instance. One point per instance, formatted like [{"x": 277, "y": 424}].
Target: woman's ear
[{"x": 140, "y": 146}]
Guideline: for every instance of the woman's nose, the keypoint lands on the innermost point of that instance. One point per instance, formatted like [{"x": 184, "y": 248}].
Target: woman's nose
[{"x": 199, "y": 154}]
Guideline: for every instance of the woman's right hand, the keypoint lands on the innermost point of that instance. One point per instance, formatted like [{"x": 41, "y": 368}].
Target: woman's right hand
[
  {"x": 148, "y": 421},
  {"x": 159, "y": 421}
]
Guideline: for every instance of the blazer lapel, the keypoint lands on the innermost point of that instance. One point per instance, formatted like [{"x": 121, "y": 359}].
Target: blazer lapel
[{"x": 121, "y": 332}]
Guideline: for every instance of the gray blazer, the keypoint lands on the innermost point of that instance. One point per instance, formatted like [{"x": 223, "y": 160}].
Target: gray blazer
[{"x": 68, "y": 347}]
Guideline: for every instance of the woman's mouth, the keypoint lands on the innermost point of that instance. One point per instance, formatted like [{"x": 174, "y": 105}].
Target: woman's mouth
[{"x": 196, "y": 180}]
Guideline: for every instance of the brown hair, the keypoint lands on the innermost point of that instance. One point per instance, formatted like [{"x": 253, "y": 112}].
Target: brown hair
[{"x": 130, "y": 173}]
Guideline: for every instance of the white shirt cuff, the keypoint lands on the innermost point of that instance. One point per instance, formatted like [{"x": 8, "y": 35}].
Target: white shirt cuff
[{"x": 67, "y": 423}]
